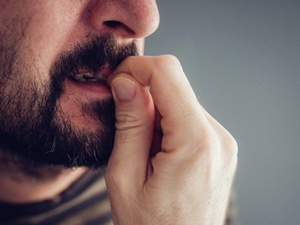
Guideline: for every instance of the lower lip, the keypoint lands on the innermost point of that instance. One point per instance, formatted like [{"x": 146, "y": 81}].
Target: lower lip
[{"x": 98, "y": 89}]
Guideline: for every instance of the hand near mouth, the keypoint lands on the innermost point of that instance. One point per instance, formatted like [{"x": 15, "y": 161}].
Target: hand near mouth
[{"x": 172, "y": 163}]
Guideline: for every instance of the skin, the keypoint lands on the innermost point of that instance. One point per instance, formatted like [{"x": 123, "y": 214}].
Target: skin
[{"x": 187, "y": 178}]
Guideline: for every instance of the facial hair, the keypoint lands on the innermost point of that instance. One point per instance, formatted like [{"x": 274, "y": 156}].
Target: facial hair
[{"x": 33, "y": 126}]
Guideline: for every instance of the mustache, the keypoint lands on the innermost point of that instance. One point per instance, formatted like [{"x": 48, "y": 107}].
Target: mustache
[{"x": 96, "y": 54}]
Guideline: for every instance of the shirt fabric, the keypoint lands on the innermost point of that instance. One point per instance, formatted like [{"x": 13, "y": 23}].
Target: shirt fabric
[{"x": 84, "y": 203}]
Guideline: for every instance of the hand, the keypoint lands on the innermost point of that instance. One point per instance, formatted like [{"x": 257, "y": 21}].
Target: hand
[{"x": 172, "y": 163}]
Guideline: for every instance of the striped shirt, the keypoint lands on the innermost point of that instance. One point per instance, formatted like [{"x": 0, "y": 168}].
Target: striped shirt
[{"x": 84, "y": 203}]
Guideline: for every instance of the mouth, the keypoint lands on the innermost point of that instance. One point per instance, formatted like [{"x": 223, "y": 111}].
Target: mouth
[
  {"x": 89, "y": 65},
  {"x": 87, "y": 77},
  {"x": 87, "y": 81}
]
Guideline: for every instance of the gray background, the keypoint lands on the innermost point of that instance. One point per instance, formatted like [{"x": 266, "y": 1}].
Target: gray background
[{"x": 243, "y": 60}]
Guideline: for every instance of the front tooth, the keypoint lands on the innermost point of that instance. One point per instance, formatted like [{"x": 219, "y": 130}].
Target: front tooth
[
  {"x": 78, "y": 76},
  {"x": 99, "y": 77},
  {"x": 89, "y": 75}
]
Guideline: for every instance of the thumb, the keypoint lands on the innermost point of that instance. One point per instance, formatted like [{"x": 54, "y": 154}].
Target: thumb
[{"x": 134, "y": 129}]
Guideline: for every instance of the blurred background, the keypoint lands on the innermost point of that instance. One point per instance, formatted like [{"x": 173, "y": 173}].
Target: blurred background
[{"x": 243, "y": 60}]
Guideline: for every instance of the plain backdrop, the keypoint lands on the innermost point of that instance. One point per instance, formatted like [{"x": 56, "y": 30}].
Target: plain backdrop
[{"x": 243, "y": 61}]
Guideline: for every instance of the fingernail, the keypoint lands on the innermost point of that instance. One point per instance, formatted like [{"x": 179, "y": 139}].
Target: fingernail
[{"x": 123, "y": 89}]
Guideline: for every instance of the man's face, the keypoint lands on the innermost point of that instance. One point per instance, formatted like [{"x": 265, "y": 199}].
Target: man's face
[{"x": 55, "y": 55}]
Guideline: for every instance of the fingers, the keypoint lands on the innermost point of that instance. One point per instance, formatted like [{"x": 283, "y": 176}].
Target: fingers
[
  {"x": 193, "y": 157},
  {"x": 166, "y": 79},
  {"x": 172, "y": 95},
  {"x": 134, "y": 130},
  {"x": 187, "y": 128}
]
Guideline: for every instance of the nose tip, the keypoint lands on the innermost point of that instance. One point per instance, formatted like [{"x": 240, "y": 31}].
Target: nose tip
[
  {"x": 144, "y": 17},
  {"x": 134, "y": 18}
]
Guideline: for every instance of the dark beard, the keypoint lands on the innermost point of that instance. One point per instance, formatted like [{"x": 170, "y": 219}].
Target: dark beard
[{"x": 33, "y": 126}]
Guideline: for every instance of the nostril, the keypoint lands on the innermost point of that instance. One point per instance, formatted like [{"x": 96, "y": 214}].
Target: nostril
[
  {"x": 117, "y": 25},
  {"x": 113, "y": 23}
]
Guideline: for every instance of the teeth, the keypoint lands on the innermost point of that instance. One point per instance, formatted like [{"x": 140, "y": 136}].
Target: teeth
[
  {"x": 78, "y": 76},
  {"x": 87, "y": 77}
]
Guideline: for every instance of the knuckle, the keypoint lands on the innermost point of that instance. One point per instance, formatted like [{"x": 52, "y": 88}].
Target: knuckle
[
  {"x": 227, "y": 144},
  {"x": 166, "y": 61},
  {"x": 125, "y": 120},
  {"x": 128, "y": 121},
  {"x": 218, "y": 148},
  {"x": 231, "y": 148},
  {"x": 116, "y": 179},
  {"x": 228, "y": 150}
]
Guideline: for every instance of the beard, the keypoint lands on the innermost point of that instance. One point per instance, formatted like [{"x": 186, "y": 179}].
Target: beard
[{"x": 33, "y": 126}]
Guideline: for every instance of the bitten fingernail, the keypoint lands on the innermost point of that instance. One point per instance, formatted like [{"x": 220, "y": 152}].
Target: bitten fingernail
[{"x": 123, "y": 89}]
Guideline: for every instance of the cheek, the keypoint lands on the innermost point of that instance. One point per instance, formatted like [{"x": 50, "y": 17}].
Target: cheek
[
  {"x": 49, "y": 31},
  {"x": 41, "y": 47},
  {"x": 31, "y": 68}
]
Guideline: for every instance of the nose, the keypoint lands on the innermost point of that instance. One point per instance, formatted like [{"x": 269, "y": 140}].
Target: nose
[{"x": 128, "y": 18}]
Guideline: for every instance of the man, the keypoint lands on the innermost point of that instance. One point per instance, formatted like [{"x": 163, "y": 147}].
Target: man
[{"x": 77, "y": 96}]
